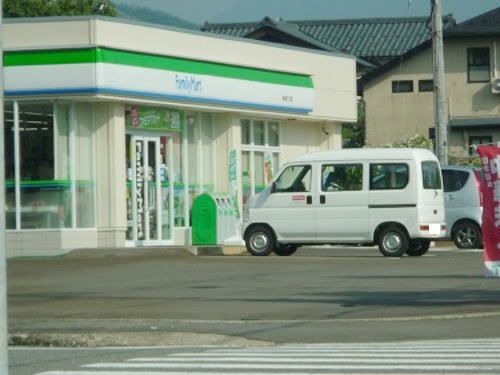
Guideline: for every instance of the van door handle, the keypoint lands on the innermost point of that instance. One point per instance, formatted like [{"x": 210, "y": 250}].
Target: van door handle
[
  {"x": 322, "y": 199},
  {"x": 309, "y": 199}
]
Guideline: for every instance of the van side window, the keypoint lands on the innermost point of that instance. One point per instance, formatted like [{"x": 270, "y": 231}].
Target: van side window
[
  {"x": 296, "y": 178},
  {"x": 388, "y": 176},
  {"x": 341, "y": 177},
  {"x": 431, "y": 175}
]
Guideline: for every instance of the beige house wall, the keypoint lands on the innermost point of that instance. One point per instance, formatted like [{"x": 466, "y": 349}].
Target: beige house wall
[{"x": 392, "y": 117}]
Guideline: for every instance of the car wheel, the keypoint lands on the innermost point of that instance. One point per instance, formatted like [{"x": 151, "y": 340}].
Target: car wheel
[
  {"x": 393, "y": 242},
  {"x": 467, "y": 235},
  {"x": 285, "y": 250},
  {"x": 418, "y": 247},
  {"x": 259, "y": 241}
]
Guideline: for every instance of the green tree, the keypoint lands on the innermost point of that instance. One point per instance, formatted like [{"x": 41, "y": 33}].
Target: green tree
[
  {"x": 46, "y": 8},
  {"x": 353, "y": 135}
]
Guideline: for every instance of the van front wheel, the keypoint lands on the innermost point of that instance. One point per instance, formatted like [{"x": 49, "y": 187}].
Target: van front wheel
[
  {"x": 393, "y": 242},
  {"x": 259, "y": 241}
]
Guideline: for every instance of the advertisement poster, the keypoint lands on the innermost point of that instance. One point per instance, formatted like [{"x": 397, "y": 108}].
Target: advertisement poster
[
  {"x": 490, "y": 187},
  {"x": 154, "y": 119}
]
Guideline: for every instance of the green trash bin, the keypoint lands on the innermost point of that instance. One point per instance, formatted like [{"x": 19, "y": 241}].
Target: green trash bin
[{"x": 204, "y": 220}]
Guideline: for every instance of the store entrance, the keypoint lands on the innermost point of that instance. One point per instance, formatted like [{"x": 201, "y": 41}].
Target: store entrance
[{"x": 149, "y": 191}]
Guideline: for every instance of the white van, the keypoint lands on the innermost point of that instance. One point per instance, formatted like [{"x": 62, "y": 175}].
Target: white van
[{"x": 390, "y": 197}]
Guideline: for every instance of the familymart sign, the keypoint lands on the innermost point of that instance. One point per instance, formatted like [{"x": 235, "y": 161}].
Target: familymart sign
[{"x": 103, "y": 71}]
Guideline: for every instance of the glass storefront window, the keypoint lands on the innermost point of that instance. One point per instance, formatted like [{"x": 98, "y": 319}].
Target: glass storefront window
[
  {"x": 246, "y": 175},
  {"x": 259, "y": 135},
  {"x": 84, "y": 171},
  {"x": 179, "y": 184},
  {"x": 245, "y": 132},
  {"x": 259, "y": 153},
  {"x": 45, "y": 185},
  {"x": 192, "y": 137},
  {"x": 273, "y": 134},
  {"x": 207, "y": 152},
  {"x": 259, "y": 172},
  {"x": 10, "y": 192},
  {"x": 39, "y": 182}
]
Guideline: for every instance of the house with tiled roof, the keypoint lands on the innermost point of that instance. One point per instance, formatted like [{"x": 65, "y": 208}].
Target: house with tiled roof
[
  {"x": 399, "y": 94},
  {"x": 373, "y": 41}
]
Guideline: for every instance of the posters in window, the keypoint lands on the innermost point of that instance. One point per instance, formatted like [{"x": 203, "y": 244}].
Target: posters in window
[
  {"x": 490, "y": 187},
  {"x": 150, "y": 118}
]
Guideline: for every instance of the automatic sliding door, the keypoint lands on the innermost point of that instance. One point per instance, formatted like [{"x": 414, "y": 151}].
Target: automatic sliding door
[{"x": 148, "y": 190}]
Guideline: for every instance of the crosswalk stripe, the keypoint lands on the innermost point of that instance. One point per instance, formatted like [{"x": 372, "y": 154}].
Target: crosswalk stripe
[
  {"x": 317, "y": 360},
  {"x": 458, "y": 357},
  {"x": 272, "y": 366},
  {"x": 245, "y": 373},
  {"x": 364, "y": 353},
  {"x": 381, "y": 350}
]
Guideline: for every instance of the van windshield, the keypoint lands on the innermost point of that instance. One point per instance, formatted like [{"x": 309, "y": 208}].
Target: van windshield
[
  {"x": 295, "y": 178},
  {"x": 431, "y": 175}
]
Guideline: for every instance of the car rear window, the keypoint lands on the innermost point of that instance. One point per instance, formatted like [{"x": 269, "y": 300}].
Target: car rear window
[{"x": 454, "y": 180}]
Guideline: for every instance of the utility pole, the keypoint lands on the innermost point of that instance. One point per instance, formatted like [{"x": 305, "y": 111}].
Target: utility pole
[
  {"x": 440, "y": 100},
  {"x": 4, "y": 367}
]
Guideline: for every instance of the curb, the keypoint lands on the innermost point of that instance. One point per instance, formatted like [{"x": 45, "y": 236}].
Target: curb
[
  {"x": 130, "y": 339},
  {"x": 218, "y": 250}
]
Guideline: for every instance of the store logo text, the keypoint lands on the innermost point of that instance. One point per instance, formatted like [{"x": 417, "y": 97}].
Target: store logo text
[{"x": 188, "y": 83}]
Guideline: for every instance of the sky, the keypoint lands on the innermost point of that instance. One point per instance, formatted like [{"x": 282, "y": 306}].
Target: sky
[{"x": 199, "y": 11}]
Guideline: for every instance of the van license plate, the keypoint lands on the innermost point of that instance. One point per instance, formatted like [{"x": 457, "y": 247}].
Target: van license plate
[{"x": 434, "y": 229}]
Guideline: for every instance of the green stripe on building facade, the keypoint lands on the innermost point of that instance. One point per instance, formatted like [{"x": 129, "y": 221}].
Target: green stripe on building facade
[{"x": 112, "y": 56}]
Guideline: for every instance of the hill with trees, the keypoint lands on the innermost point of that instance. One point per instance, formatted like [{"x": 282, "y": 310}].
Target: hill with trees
[{"x": 68, "y": 8}]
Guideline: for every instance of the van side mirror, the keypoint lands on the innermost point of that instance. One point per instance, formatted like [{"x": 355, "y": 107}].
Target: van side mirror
[{"x": 273, "y": 187}]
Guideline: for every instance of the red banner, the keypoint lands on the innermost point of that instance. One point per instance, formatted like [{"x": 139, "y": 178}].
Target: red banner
[{"x": 490, "y": 186}]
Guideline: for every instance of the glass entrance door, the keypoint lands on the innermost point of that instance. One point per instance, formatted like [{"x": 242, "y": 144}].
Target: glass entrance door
[{"x": 149, "y": 192}]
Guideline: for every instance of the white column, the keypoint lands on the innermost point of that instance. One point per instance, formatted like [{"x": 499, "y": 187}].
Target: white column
[{"x": 3, "y": 273}]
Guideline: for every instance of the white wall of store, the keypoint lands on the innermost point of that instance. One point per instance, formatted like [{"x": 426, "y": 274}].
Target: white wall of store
[
  {"x": 335, "y": 102},
  {"x": 333, "y": 75}
]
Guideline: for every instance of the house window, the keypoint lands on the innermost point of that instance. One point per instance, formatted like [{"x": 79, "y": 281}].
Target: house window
[
  {"x": 475, "y": 141},
  {"x": 260, "y": 152},
  {"x": 478, "y": 65},
  {"x": 426, "y": 85},
  {"x": 402, "y": 86}
]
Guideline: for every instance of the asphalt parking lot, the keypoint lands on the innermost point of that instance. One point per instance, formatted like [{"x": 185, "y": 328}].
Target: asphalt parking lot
[{"x": 317, "y": 295}]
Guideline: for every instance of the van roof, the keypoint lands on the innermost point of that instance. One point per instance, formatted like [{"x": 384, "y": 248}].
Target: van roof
[{"x": 368, "y": 154}]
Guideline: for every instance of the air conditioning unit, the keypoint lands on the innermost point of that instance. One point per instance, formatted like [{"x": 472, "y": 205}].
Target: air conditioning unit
[{"x": 495, "y": 86}]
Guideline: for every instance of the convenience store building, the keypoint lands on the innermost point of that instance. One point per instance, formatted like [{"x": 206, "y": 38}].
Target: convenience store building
[{"x": 112, "y": 128}]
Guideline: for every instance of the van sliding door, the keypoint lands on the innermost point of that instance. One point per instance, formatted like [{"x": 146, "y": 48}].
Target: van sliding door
[{"x": 342, "y": 213}]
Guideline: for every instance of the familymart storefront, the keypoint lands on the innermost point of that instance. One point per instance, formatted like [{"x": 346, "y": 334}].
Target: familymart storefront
[{"x": 113, "y": 128}]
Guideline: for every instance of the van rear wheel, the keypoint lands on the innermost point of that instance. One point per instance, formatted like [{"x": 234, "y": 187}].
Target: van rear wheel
[
  {"x": 393, "y": 242},
  {"x": 418, "y": 247},
  {"x": 259, "y": 241}
]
